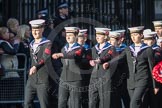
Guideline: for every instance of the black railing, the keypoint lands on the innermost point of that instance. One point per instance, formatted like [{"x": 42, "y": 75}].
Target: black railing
[{"x": 115, "y": 14}]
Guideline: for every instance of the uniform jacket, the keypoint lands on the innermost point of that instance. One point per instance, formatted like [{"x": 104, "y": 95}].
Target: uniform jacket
[
  {"x": 71, "y": 63},
  {"x": 39, "y": 58},
  {"x": 140, "y": 65},
  {"x": 105, "y": 54}
]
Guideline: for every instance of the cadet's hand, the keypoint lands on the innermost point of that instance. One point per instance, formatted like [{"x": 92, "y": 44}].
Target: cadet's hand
[
  {"x": 32, "y": 70},
  {"x": 156, "y": 90},
  {"x": 105, "y": 65},
  {"x": 60, "y": 55},
  {"x": 92, "y": 62},
  {"x": 55, "y": 56}
]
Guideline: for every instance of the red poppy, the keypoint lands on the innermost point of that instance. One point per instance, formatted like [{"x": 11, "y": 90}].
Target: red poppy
[
  {"x": 110, "y": 52},
  {"x": 78, "y": 52},
  {"x": 47, "y": 51}
]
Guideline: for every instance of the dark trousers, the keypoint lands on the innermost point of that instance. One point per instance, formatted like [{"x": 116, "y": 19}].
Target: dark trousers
[
  {"x": 157, "y": 99},
  {"x": 70, "y": 94},
  {"x": 124, "y": 94},
  {"x": 100, "y": 95},
  {"x": 85, "y": 99},
  {"x": 33, "y": 89},
  {"x": 136, "y": 96}
]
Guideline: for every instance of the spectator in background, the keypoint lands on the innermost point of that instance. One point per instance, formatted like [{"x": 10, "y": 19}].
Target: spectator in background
[
  {"x": 13, "y": 26},
  {"x": 9, "y": 61},
  {"x": 49, "y": 27},
  {"x": 62, "y": 13},
  {"x": 24, "y": 33},
  {"x": 42, "y": 14}
]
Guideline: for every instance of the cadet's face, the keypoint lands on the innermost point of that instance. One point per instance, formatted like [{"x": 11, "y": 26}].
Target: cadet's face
[
  {"x": 37, "y": 33},
  {"x": 136, "y": 37},
  {"x": 100, "y": 38},
  {"x": 81, "y": 40},
  {"x": 149, "y": 42},
  {"x": 70, "y": 38},
  {"x": 159, "y": 31},
  {"x": 113, "y": 41}
]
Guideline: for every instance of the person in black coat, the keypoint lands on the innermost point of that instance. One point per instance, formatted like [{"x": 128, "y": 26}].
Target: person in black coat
[{"x": 139, "y": 57}]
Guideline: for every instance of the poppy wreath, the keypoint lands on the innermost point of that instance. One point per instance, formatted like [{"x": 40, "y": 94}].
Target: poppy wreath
[{"x": 157, "y": 72}]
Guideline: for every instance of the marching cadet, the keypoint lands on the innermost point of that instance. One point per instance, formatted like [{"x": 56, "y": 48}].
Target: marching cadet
[
  {"x": 100, "y": 89},
  {"x": 116, "y": 38},
  {"x": 150, "y": 38},
  {"x": 38, "y": 80},
  {"x": 86, "y": 68},
  {"x": 122, "y": 38},
  {"x": 86, "y": 48},
  {"x": 70, "y": 86},
  {"x": 158, "y": 28},
  {"x": 158, "y": 59},
  {"x": 139, "y": 57}
]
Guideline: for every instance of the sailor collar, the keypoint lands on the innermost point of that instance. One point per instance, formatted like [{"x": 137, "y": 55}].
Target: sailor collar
[
  {"x": 44, "y": 40},
  {"x": 142, "y": 47},
  {"x": 155, "y": 46},
  {"x": 99, "y": 51},
  {"x": 75, "y": 46},
  {"x": 86, "y": 46}
]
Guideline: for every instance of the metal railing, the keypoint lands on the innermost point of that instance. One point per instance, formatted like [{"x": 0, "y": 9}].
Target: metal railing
[{"x": 12, "y": 89}]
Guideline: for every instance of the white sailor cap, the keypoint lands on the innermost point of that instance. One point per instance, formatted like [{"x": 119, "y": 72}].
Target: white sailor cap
[
  {"x": 122, "y": 32},
  {"x": 149, "y": 34},
  {"x": 71, "y": 29},
  {"x": 137, "y": 29},
  {"x": 83, "y": 32},
  {"x": 103, "y": 31},
  {"x": 157, "y": 23},
  {"x": 38, "y": 23},
  {"x": 114, "y": 34}
]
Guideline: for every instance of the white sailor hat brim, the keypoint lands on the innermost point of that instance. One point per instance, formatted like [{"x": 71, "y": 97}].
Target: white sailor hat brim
[
  {"x": 102, "y": 31},
  {"x": 114, "y": 34},
  {"x": 157, "y": 23},
  {"x": 71, "y": 29},
  {"x": 37, "y": 23},
  {"x": 137, "y": 29},
  {"x": 149, "y": 34},
  {"x": 83, "y": 32}
]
